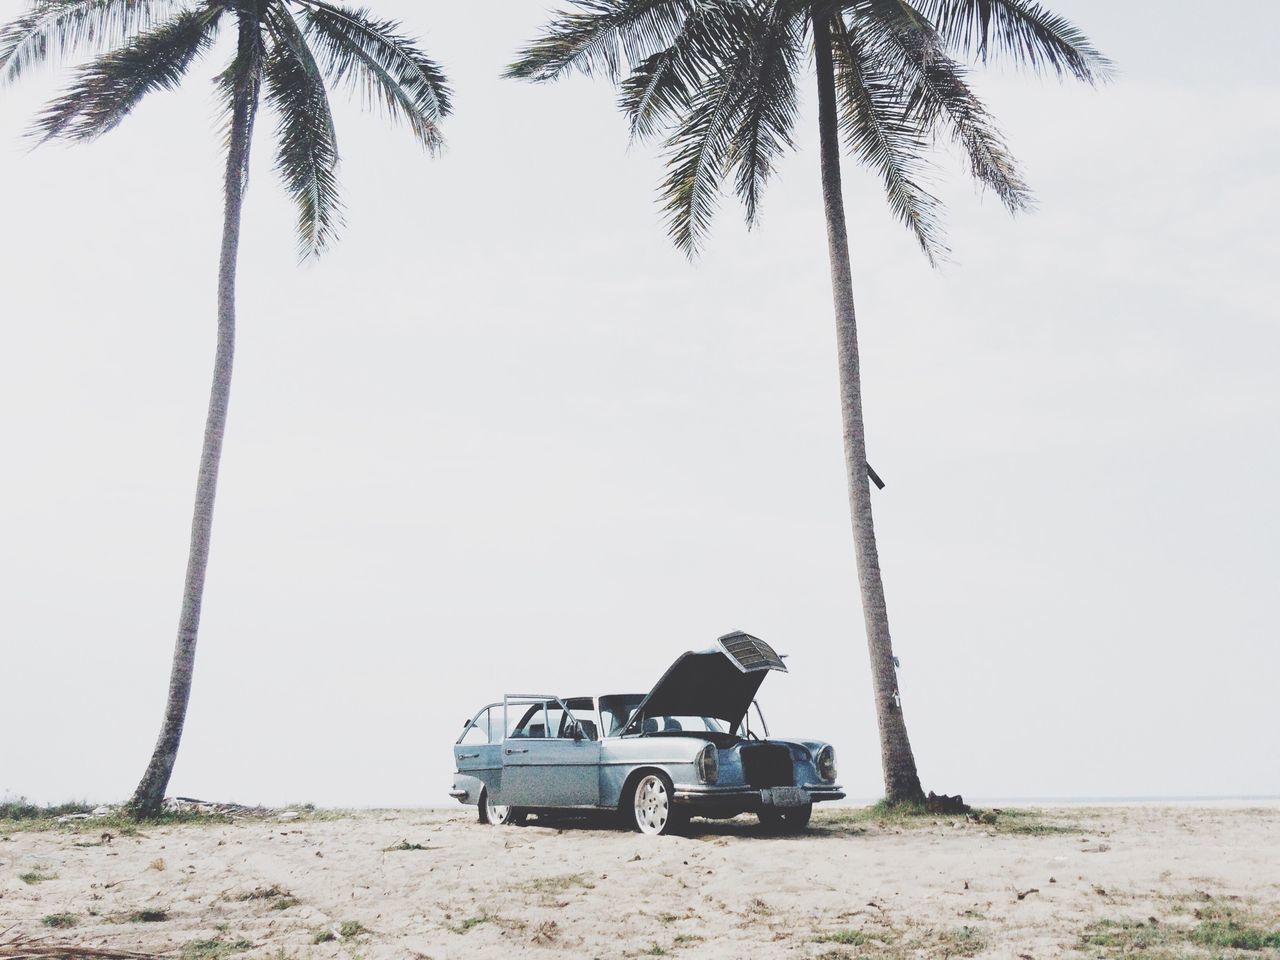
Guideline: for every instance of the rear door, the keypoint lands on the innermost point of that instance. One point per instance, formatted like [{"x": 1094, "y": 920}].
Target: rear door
[{"x": 543, "y": 764}]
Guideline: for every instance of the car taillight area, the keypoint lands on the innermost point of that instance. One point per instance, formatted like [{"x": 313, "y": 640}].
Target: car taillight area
[{"x": 767, "y": 765}]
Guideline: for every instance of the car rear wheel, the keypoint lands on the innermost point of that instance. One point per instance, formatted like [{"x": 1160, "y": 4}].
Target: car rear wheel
[
  {"x": 787, "y": 820},
  {"x": 653, "y": 808},
  {"x": 497, "y": 813}
]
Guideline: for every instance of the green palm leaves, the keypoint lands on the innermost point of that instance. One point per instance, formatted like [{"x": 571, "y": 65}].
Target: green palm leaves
[
  {"x": 294, "y": 50},
  {"x": 54, "y": 29},
  {"x": 716, "y": 79},
  {"x": 108, "y": 88}
]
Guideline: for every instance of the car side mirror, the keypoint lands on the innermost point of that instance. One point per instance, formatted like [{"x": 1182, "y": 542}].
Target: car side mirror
[{"x": 575, "y": 730}]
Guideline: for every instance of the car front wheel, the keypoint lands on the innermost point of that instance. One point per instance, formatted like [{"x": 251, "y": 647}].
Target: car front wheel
[
  {"x": 653, "y": 809},
  {"x": 788, "y": 820},
  {"x": 497, "y": 813}
]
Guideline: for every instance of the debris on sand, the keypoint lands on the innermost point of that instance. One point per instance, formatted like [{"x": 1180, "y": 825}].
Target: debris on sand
[
  {"x": 41, "y": 948},
  {"x": 945, "y": 804}
]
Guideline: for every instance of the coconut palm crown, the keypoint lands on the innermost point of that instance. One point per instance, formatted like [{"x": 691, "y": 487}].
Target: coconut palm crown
[
  {"x": 290, "y": 50},
  {"x": 288, "y": 53},
  {"x": 717, "y": 82}
]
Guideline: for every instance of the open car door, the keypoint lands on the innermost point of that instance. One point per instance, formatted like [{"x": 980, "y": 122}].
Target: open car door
[{"x": 549, "y": 758}]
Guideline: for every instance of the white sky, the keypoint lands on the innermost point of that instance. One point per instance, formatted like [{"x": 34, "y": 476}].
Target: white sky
[{"x": 505, "y": 437}]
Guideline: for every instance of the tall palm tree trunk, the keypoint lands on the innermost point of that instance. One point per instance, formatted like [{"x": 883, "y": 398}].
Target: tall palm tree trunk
[
  {"x": 149, "y": 795},
  {"x": 901, "y": 782}
]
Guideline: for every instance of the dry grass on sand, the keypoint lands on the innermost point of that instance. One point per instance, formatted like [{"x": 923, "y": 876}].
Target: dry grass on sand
[{"x": 1139, "y": 883}]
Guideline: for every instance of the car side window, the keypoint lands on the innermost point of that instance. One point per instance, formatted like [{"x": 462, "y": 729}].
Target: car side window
[
  {"x": 550, "y": 721},
  {"x": 535, "y": 722},
  {"x": 479, "y": 731},
  {"x": 555, "y": 720},
  {"x": 583, "y": 710},
  {"x": 616, "y": 710}
]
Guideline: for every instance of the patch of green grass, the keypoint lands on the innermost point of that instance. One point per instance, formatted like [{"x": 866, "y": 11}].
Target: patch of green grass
[
  {"x": 280, "y": 898},
  {"x": 852, "y": 938},
  {"x": 324, "y": 936},
  {"x": 965, "y": 942},
  {"x": 881, "y": 814},
  {"x": 470, "y": 923},
  {"x": 883, "y": 810},
  {"x": 148, "y": 916},
  {"x": 60, "y": 921},
  {"x": 685, "y": 939},
  {"x": 557, "y": 884},
  {"x": 218, "y": 949},
  {"x": 655, "y": 950},
  {"x": 18, "y": 816},
  {"x": 904, "y": 816},
  {"x": 351, "y": 928},
  {"x": 1032, "y": 823},
  {"x": 1220, "y": 928},
  {"x": 272, "y": 892},
  {"x": 32, "y": 877},
  {"x": 117, "y": 824},
  {"x": 1234, "y": 935},
  {"x": 20, "y": 808}
]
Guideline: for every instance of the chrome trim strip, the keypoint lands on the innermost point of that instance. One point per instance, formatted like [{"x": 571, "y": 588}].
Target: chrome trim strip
[{"x": 646, "y": 762}]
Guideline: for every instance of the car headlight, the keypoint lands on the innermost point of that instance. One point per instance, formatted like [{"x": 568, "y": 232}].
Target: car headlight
[
  {"x": 827, "y": 763},
  {"x": 708, "y": 764}
]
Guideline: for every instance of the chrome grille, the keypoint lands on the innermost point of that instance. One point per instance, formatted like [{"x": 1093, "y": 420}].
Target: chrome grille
[
  {"x": 750, "y": 653},
  {"x": 767, "y": 765}
]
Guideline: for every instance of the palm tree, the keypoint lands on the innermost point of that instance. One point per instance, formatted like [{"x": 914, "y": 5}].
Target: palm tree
[
  {"x": 286, "y": 51},
  {"x": 718, "y": 80}
]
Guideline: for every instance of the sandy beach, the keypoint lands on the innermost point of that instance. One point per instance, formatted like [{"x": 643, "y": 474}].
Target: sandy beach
[{"x": 1149, "y": 881}]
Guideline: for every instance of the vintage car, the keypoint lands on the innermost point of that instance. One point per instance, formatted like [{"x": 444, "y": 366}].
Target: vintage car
[{"x": 684, "y": 749}]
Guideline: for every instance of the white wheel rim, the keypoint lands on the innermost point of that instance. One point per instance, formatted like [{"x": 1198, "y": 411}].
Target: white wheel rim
[
  {"x": 653, "y": 805},
  {"x": 497, "y": 812}
]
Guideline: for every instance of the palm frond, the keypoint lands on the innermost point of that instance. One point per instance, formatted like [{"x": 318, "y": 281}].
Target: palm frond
[
  {"x": 1022, "y": 30},
  {"x": 881, "y": 131},
  {"x": 388, "y": 68},
  {"x": 608, "y": 36},
  {"x": 765, "y": 130},
  {"x": 107, "y": 89},
  {"x": 936, "y": 92},
  {"x": 55, "y": 29},
  {"x": 659, "y": 86},
  {"x": 699, "y": 151},
  {"x": 306, "y": 142}
]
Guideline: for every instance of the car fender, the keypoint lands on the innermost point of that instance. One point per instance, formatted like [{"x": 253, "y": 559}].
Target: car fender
[{"x": 622, "y": 757}]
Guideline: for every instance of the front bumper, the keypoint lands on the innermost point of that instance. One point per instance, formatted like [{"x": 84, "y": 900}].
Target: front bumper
[{"x": 746, "y": 798}]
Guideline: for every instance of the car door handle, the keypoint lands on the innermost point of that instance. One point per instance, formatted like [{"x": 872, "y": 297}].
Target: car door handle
[
  {"x": 523, "y": 750},
  {"x": 468, "y": 756}
]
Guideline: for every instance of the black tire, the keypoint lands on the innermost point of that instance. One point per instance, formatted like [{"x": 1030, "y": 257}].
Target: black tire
[
  {"x": 650, "y": 807},
  {"x": 788, "y": 820},
  {"x": 499, "y": 816}
]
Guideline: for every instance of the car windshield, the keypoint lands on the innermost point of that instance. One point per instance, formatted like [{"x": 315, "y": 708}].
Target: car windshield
[{"x": 616, "y": 710}]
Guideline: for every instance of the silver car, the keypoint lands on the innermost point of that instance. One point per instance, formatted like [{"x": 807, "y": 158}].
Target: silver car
[{"x": 686, "y": 748}]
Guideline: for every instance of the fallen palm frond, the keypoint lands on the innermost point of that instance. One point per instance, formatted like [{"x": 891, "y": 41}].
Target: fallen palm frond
[{"x": 19, "y": 947}]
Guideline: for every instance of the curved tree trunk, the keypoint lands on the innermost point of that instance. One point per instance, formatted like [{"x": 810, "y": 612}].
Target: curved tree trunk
[
  {"x": 149, "y": 795},
  {"x": 901, "y": 782}
]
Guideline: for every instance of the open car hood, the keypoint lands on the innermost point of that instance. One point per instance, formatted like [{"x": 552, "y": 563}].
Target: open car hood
[{"x": 720, "y": 682}]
